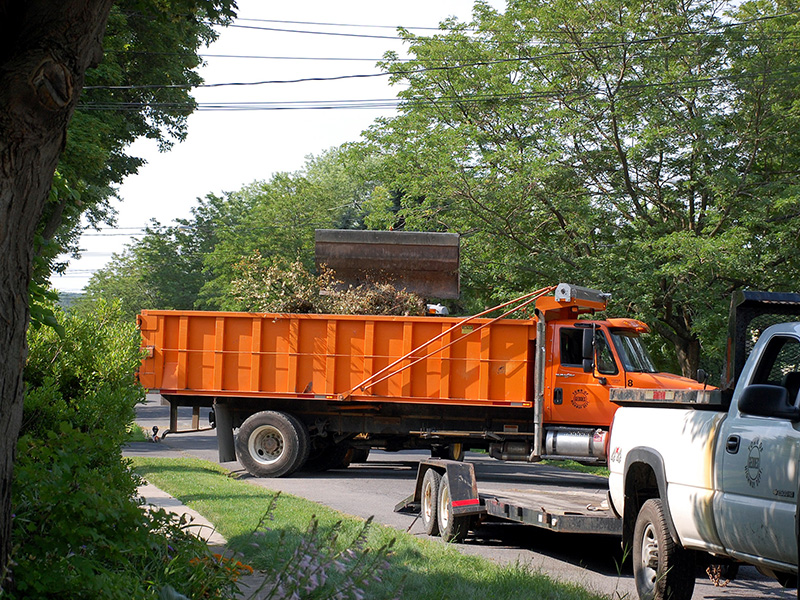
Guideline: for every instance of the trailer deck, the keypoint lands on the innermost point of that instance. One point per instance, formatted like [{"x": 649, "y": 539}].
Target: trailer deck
[{"x": 533, "y": 494}]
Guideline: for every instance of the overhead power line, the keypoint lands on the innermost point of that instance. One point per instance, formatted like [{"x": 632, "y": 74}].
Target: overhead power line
[
  {"x": 322, "y": 24},
  {"x": 392, "y": 103},
  {"x": 484, "y": 63},
  {"x": 332, "y": 33}
]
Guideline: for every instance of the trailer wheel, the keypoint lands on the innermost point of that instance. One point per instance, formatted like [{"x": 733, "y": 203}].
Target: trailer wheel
[
  {"x": 272, "y": 444},
  {"x": 662, "y": 569},
  {"x": 431, "y": 483},
  {"x": 451, "y": 527}
]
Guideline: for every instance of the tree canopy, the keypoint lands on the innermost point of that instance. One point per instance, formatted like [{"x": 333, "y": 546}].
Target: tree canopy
[
  {"x": 193, "y": 263},
  {"x": 645, "y": 148}
]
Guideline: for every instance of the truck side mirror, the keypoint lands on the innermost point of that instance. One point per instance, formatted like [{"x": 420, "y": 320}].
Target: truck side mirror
[
  {"x": 763, "y": 400},
  {"x": 587, "y": 350}
]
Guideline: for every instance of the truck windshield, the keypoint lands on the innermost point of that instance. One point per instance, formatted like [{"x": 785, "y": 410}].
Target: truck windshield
[{"x": 632, "y": 353}]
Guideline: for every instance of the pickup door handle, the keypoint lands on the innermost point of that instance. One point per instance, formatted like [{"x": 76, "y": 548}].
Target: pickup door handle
[{"x": 732, "y": 445}]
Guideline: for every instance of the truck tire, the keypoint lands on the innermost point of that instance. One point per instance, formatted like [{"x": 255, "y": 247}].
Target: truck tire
[
  {"x": 328, "y": 456},
  {"x": 452, "y": 528},
  {"x": 272, "y": 444},
  {"x": 662, "y": 569},
  {"x": 429, "y": 501},
  {"x": 453, "y": 451},
  {"x": 360, "y": 455}
]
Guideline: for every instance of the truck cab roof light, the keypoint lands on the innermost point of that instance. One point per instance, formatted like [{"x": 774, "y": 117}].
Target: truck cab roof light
[{"x": 630, "y": 324}]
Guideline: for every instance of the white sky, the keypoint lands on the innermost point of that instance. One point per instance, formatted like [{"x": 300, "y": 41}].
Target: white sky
[{"x": 226, "y": 150}]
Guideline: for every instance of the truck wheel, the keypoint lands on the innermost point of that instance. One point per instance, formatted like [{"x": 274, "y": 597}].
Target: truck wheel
[
  {"x": 272, "y": 444},
  {"x": 451, "y": 527},
  {"x": 430, "y": 499},
  {"x": 449, "y": 451},
  {"x": 662, "y": 569},
  {"x": 328, "y": 456},
  {"x": 456, "y": 452},
  {"x": 360, "y": 455}
]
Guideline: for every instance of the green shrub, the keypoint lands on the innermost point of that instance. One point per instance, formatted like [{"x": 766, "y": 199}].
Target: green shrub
[
  {"x": 78, "y": 527},
  {"x": 85, "y": 376},
  {"x": 79, "y": 531}
]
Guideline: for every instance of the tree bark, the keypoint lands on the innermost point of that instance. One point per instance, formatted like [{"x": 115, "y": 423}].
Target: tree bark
[
  {"x": 687, "y": 347},
  {"x": 46, "y": 47}
]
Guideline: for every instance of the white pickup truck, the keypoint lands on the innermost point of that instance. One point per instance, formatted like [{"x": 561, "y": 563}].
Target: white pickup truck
[{"x": 692, "y": 480}]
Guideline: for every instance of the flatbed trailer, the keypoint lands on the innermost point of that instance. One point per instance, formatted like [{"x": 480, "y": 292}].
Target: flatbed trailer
[{"x": 448, "y": 499}]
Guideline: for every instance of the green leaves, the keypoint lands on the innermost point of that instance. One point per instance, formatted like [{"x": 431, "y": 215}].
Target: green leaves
[{"x": 642, "y": 148}]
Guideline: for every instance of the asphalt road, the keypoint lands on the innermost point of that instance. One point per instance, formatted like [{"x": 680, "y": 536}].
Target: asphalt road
[{"x": 375, "y": 487}]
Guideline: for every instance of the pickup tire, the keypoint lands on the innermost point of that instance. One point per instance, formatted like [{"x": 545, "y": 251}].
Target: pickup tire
[
  {"x": 429, "y": 501},
  {"x": 452, "y": 528},
  {"x": 662, "y": 569},
  {"x": 272, "y": 444}
]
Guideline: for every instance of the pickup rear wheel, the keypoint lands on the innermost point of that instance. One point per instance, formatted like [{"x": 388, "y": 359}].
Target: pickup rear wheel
[
  {"x": 452, "y": 528},
  {"x": 429, "y": 501},
  {"x": 272, "y": 444},
  {"x": 662, "y": 569}
]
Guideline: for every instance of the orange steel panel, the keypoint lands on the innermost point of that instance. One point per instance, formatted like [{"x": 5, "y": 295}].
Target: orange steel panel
[{"x": 323, "y": 356}]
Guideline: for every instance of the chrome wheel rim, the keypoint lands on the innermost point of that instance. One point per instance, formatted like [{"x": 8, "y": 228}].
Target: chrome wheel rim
[{"x": 266, "y": 445}]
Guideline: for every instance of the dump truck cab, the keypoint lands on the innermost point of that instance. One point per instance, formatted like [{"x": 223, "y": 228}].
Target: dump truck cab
[{"x": 576, "y": 393}]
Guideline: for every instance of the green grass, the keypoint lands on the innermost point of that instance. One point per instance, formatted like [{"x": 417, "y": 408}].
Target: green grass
[
  {"x": 421, "y": 568},
  {"x": 572, "y": 465},
  {"x": 137, "y": 434}
]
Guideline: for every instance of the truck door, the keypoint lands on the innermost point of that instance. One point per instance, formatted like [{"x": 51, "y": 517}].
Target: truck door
[
  {"x": 757, "y": 466},
  {"x": 577, "y": 397}
]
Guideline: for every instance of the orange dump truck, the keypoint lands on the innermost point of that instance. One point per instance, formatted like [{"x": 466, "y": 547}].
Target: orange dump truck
[{"x": 295, "y": 390}]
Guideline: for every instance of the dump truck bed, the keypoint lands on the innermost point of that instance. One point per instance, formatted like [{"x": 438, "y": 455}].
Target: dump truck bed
[{"x": 338, "y": 357}]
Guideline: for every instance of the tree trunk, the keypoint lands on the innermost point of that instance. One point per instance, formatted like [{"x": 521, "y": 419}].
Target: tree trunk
[
  {"x": 45, "y": 49},
  {"x": 687, "y": 346}
]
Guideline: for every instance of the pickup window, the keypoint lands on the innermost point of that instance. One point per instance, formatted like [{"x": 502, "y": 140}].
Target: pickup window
[{"x": 780, "y": 365}]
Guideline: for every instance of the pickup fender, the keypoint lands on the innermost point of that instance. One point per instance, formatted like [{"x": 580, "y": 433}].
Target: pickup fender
[{"x": 644, "y": 478}]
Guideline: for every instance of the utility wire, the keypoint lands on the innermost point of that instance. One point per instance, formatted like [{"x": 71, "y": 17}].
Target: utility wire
[
  {"x": 391, "y": 103},
  {"x": 331, "y": 33},
  {"x": 337, "y": 24},
  {"x": 517, "y": 59}
]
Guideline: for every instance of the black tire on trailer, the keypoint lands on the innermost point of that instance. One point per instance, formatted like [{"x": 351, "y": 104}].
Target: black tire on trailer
[
  {"x": 272, "y": 444},
  {"x": 662, "y": 569},
  {"x": 429, "y": 501},
  {"x": 452, "y": 528}
]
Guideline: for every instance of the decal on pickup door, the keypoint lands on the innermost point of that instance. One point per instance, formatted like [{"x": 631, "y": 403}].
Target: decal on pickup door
[{"x": 752, "y": 468}]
